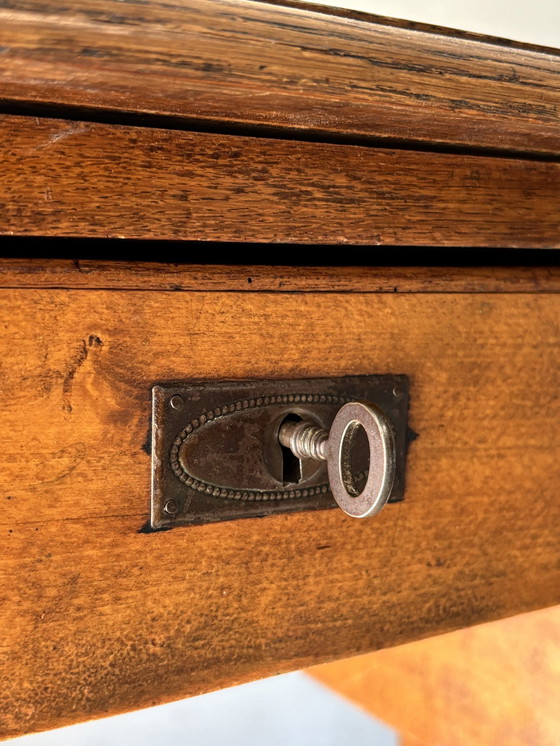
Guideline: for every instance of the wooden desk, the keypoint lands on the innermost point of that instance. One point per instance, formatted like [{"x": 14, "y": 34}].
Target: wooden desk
[{"x": 238, "y": 122}]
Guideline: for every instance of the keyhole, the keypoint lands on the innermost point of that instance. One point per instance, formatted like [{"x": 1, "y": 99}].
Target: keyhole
[
  {"x": 283, "y": 466},
  {"x": 291, "y": 465}
]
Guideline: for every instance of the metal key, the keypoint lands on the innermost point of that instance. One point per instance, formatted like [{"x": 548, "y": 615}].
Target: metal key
[{"x": 307, "y": 440}]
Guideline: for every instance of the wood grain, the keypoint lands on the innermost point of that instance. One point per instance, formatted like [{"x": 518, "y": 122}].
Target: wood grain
[
  {"x": 64, "y": 178},
  {"x": 98, "y": 275},
  {"x": 99, "y": 618},
  {"x": 493, "y": 684},
  {"x": 244, "y": 63}
]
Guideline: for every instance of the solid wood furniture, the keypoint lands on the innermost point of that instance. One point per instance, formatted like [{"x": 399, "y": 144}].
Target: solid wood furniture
[
  {"x": 290, "y": 126},
  {"x": 75, "y": 178}
]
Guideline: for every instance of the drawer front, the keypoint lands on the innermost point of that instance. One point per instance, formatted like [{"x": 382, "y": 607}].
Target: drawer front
[
  {"x": 100, "y": 616},
  {"x": 64, "y": 178}
]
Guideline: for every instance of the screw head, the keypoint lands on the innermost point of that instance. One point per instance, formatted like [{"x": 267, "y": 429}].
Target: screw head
[
  {"x": 176, "y": 401},
  {"x": 171, "y": 507}
]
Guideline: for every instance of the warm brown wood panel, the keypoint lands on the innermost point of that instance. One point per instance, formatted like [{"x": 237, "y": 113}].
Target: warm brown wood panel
[
  {"x": 95, "y": 274},
  {"x": 98, "y": 618},
  {"x": 252, "y": 63},
  {"x": 496, "y": 683},
  {"x": 81, "y": 179}
]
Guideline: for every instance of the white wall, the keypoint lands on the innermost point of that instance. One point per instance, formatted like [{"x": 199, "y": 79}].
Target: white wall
[{"x": 537, "y": 22}]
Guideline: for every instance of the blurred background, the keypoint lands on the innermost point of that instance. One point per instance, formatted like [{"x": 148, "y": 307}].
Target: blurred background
[{"x": 494, "y": 684}]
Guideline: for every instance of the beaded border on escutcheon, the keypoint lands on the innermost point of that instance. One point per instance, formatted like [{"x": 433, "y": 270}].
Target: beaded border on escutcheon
[{"x": 249, "y": 495}]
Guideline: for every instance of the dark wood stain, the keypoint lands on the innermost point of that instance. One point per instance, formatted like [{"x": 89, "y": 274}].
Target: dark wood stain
[
  {"x": 204, "y": 278},
  {"x": 240, "y": 62},
  {"x": 87, "y": 179}
]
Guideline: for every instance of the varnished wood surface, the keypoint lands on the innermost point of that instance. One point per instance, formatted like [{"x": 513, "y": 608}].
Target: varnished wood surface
[
  {"x": 94, "y": 274},
  {"x": 66, "y": 178},
  {"x": 238, "y": 62},
  {"x": 99, "y": 618},
  {"x": 496, "y": 683}
]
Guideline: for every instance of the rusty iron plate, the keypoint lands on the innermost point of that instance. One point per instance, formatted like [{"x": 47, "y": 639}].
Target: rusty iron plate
[{"x": 216, "y": 454}]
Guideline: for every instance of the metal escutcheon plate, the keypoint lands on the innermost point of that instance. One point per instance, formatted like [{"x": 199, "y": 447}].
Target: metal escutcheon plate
[{"x": 216, "y": 454}]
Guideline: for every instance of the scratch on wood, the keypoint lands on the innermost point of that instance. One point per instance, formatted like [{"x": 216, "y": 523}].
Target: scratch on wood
[
  {"x": 57, "y": 136},
  {"x": 58, "y": 466}
]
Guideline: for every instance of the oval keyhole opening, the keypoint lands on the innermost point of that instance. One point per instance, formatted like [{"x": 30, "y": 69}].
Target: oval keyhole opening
[
  {"x": 285, "y": 468},
  {"x": 291, "y": 465}
]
